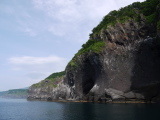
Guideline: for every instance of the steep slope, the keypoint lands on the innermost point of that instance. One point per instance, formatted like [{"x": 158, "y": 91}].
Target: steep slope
[
  {"x": 120, "y": 61},
  {"x": 47, "y": 88}
]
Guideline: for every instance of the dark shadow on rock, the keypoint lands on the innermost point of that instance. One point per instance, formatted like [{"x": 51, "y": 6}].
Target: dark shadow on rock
[
  {"x": 89, "y": 73},
  {"x": 146, "y": 71},
  {"x": 49, "y": 99}
]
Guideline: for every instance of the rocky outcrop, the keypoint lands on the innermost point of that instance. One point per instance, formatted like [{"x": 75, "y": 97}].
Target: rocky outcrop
[
  {"x": 128, "y": 64},
  {"x": 48, "y": 92},
  {"x": 126, "y": 69}
]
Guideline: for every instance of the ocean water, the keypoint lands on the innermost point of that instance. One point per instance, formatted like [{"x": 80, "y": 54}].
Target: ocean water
[{"x": 21, "y": 109}]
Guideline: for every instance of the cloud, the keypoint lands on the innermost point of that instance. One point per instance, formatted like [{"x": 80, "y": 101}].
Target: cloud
[
  {"x": 35, "y": 60},
  {"x": 71, "y": 20},
  {"x": 74, "y": 19},
  {"x": 52, "y": 22},
  {"x": 37, "y": 67},
  {"x": 30, "y": 32},
  {"x": 27, "y": 70},
  {"x": 71, "y": 10}
]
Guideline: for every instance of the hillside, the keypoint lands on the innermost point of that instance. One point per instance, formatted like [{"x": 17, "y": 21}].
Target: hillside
[
  {"x": 119, "y": 62},
  {"x": 14, "y": 93},
  {"x": 46, "y": 87}
]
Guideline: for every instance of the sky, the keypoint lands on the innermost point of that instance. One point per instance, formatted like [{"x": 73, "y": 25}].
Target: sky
[{"x": 39, "y": 37}]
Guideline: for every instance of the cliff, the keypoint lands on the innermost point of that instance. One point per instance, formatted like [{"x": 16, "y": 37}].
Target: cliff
[
  {"x": 48, "y": 88},
  {"x": 120, "y": 61}
]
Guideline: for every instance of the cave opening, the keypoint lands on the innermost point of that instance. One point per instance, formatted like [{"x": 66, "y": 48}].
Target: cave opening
[{"x": 88, "y": 85}]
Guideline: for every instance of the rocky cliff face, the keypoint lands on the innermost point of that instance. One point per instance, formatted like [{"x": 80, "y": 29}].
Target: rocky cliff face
[
  {"x": 49, "y": 92},
  {"x": 51, "y": 88},
  {"x": 126, "y": 68}
]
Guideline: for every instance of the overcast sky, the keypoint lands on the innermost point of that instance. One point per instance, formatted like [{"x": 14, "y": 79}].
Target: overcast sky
[{"x": 39, "y": 37}]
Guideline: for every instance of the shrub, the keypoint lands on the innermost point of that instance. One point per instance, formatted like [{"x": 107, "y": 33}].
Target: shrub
[
  {"x": 151, "y": 18},
  {"x": 53, "y": 79},
  {"x": 158, "y": 25},
  {"x": 147, "y": 8},
  {"x": 57, "y": 74},
  {"x": 93, "y": 46}
]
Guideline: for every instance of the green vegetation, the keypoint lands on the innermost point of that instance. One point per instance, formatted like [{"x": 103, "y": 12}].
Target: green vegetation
[
  {"x": 73, "y": 63},
  {"x": 133, "y": 11},
  {"x": 158, "y": 25},
  {"x": 51, "y": 80},
  {"x": 15, "y": 93},
  {"x": 137, "y": 11},
  {"x": 57, "y": 74},
  {"x": 151, "y": 18},
  {"x": 148, "y": 10},
  {"x": 54, "y": 86},
  {"x": 91, "y": 45}
]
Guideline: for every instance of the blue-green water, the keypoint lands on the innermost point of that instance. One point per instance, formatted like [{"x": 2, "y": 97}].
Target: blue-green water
[{"x": 20, "y": 109}]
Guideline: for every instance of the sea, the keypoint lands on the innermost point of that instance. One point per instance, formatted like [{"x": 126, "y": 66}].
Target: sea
[{"x": 21, "y": 109}]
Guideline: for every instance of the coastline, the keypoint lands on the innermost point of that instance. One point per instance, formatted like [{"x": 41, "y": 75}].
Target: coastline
[{"x": 106, "y": 102}]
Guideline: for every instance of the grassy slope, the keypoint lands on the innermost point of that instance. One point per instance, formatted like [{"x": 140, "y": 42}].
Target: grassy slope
[
  {"x": 51, "y": 80},
  {"x": 15, "y": 93},
  {"x": 150, "y": 9}
]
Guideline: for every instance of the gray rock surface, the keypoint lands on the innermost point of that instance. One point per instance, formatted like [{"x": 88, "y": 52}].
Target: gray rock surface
[
  {"x": 125, "y": 65},
  {"x": 126, "y": 69}
]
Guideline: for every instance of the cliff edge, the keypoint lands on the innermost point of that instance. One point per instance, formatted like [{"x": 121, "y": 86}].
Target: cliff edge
[{"x": 119, "y": 62}]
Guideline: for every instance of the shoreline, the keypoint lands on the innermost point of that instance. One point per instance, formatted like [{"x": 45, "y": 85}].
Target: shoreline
[{"x": 83, "y": 101}]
